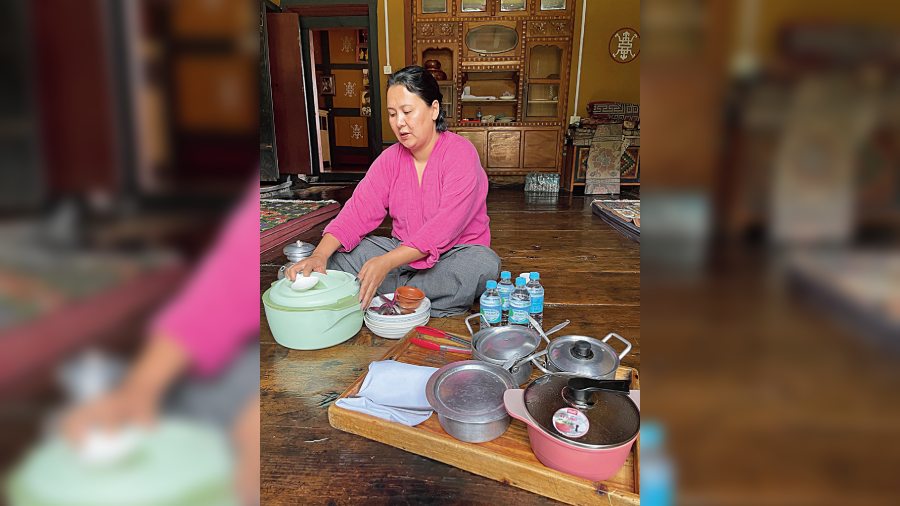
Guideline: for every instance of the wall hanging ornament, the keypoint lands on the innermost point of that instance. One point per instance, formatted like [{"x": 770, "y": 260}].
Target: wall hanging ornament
[{"x": 624, "y": 45}]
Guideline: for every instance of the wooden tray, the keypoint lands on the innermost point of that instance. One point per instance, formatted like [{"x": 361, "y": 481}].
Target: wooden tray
[{"x": 508, "y": 458}]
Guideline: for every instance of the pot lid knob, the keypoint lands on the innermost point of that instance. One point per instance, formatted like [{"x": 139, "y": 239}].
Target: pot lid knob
[
  {"x": 582, "y": 350},
  {"x": 579, "y": 392}
]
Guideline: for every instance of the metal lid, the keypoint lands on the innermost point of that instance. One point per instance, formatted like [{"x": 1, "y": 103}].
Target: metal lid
[
  {"x": 299, "y": 250},
  {"x": 613, "y": 419},
  {"x": 505, "y": 343},
  {"x": 469, "y": 391},
  {"x": 582, "y": 355}
]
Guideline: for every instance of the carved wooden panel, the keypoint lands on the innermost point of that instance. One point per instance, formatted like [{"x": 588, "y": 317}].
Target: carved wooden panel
[
  {"x": 503, "y": 148},
  {"x": 469, "y": 54},
  {"x": 549, "y": 28},
  {"x": 541, "y": 148},
  {"x": 477, "y": 138},
  {"x": 437, "y": 30}
]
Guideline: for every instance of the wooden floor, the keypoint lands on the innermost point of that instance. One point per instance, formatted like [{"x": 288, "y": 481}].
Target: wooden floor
[{"x": 591, "y": 276}]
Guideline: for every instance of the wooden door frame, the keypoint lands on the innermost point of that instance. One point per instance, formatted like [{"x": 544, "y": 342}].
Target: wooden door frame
[{"x": 316, "y": 14}]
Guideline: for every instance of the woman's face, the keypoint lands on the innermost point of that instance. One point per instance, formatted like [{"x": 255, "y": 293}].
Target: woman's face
[{"x": 412, "y": 120}]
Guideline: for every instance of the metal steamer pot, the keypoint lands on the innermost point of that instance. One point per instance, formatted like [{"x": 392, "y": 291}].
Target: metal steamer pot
[
  {"x": 511, "y": 347},
  {"x": 468, "y": 399},
  {"x": 584, "y": 356}
]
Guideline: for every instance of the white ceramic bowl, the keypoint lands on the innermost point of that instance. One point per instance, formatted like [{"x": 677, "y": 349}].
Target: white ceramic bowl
[
  {"x": 397, "y": 326},
  {"x": 424, "y": 308}
]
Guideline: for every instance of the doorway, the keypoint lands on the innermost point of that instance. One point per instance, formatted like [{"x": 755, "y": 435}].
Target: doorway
[{"x": 344, "y": 103}]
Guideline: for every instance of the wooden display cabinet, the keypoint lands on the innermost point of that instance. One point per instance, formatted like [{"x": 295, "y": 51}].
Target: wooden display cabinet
[{"x": 508, "y": 60}]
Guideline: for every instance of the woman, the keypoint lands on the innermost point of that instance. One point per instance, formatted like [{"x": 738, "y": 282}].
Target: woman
[{"x": 432, "y": 184}]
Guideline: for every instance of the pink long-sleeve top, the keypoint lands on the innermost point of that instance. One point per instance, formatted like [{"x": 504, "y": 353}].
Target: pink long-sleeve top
[
  {"x": 217, "y": 311},
  {"x": 448, "y": 209}
]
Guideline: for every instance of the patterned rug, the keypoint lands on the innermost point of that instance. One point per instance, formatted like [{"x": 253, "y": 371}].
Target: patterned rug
[
  {"x": 603, "y": 165},
  {"x": 274, "y": 212}
]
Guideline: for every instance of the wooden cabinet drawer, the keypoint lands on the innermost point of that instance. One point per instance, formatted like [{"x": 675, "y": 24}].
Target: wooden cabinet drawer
[
  {"x": 541, "y": 148},
  {"x": 503, "y": 148},
  {"x": 477, "y": 138}
]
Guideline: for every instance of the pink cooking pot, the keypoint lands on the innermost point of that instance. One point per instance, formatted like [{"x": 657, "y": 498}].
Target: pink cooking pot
[{"x": 580, "y": 426}]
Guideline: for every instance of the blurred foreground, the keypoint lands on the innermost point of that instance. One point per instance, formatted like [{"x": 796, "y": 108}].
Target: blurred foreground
[
  {"x": 771, "y": 275},
  {"x": 127, "y": 132}
]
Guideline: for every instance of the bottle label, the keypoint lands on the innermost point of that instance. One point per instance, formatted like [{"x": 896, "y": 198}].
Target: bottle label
[
  {"x": 537, "y": 304},
  {"x": 518, "y": 312},
  {"x": 491, "y": 314},
  {"x": 571, "y": 423}
]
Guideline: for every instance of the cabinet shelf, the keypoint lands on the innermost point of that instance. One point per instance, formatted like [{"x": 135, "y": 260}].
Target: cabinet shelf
[
  {"x": 543, "y": 101},
  {"x": 484, "y": 100}
]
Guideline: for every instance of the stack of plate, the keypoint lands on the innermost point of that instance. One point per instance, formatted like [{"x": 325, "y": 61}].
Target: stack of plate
[{"x": 392, "y": 326}]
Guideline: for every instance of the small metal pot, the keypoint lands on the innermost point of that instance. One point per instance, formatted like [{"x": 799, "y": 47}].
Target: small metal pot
[
  {"x": 584, "y": 356},
  {"x": 511, "y": 347},
  {"x": 295, "y": 252},
  {"x": 468, "y": 399}
]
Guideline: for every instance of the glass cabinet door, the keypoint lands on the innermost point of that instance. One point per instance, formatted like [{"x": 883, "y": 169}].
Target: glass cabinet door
[
  {"x": 473, "y": 5},
  {"x": 553, "y": 5},
  {"x": 544, "y": 81},
  {"x": 512, "y": 5},
  {"x": 434, "y": 6},
  {"x": 448, "y": 100}
]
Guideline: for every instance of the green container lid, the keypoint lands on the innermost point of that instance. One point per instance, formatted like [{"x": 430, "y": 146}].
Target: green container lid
[{"x": 335, "y": 290}]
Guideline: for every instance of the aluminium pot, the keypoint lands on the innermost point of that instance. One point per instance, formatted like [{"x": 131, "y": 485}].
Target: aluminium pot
[
  {"x": 511, "y": 347},
  {"x": 468, "y": 399},
  {"x": 575, "y": 425},
  {"x": 584, "y": 356}
]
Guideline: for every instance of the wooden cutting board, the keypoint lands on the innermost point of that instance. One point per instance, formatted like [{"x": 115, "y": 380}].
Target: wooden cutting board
[{"x": 508, "y": 458}]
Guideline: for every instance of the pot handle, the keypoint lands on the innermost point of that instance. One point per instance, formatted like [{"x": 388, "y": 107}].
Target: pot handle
[
  {"x": 537, "y": 363},
  {"x": 537, "y": 327},
  {"x": 622, "y": 339},
  {"x": 514, "y": 401},
  {"x": 469, "y": 326}
]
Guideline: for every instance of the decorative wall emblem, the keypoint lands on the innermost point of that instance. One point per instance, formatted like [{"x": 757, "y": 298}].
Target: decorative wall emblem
[
  {"x": 349, "y": 89},
  {"x": 356, "y": 131},
  {"x": 347, "y": 45},
  {"x": 624, "y": 45}
]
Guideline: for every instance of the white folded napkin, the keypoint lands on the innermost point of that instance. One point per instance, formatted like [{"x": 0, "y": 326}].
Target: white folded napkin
[{"x": 393, "y": 391}]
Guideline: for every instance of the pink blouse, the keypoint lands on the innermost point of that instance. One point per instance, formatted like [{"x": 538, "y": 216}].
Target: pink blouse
[
  {"x": 217, "y": 312},
  {"x": 448, "y": 209}
]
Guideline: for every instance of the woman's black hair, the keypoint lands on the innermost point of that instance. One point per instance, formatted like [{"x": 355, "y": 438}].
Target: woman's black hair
[{"x": 419, "y": 81}]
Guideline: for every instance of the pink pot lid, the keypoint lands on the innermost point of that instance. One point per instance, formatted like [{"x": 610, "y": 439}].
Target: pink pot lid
[{"x": 613, "y": 419}]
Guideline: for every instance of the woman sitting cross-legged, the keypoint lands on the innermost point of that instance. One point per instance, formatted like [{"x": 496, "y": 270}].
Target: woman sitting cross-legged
[{"x": 434, "y": 188}]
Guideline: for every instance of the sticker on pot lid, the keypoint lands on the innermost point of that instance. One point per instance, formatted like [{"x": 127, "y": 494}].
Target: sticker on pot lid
[{"x": 570, "y": 422}]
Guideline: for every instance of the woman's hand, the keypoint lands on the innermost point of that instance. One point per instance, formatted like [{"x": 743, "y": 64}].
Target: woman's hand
[
  {"x": 371, "y": 276},
  {"x": 310, "y": 264},
  {"x": 111, "y": 412}
]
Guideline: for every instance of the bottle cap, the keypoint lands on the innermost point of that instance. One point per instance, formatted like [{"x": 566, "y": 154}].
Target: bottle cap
[
  {"x": 520, "y": 281},
  {"x": 505, "y": 275},
  {"x": 535, "y": 275},
  {"x": 491, "y": 284}
]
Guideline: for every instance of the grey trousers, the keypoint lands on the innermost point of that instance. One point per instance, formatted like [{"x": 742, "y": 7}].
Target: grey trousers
[{"x": 452, "y": 284}]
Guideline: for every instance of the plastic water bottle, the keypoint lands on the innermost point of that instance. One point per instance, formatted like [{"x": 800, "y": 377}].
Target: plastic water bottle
[
  {"x": 536, "y": 292},
  {"x": 491, "y": 305},
  {"x": 519, "y": 304},
  {"x": 657, "y": 471},
  {"x": 505, "y": 287}
]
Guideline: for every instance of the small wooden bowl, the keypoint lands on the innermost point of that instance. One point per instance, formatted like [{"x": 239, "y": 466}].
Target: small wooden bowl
[{"x": 409, "y": 297}]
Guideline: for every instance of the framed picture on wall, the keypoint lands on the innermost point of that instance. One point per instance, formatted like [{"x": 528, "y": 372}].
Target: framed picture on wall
[{"x": 326, "y": 84}]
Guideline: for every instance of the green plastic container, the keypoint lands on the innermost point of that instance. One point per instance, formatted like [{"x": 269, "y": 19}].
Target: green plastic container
[{"x": 325, "y": 315}]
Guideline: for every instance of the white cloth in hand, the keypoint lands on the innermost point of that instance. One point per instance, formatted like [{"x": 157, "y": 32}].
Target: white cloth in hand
[{"x": 393, "y": 391}]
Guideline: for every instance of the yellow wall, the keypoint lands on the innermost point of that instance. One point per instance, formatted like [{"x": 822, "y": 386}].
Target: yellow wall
[{"x": 601, "y": 77}]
